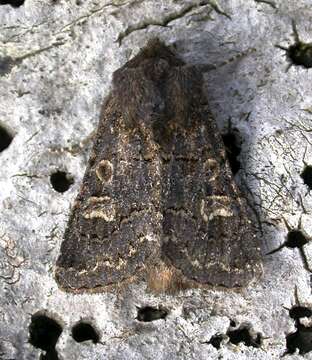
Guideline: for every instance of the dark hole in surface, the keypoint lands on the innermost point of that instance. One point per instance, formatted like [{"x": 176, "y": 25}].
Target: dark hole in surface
[
  {"x": 5, "y": 138},
  {"x": 232, "y": 149},
  {"x": 243, "y": 335},
  {"x": 300, "y": 54},
  {"x": 49, "y": 355},
  {"x": 149, "y": 313},
  {"x": 216, "y": 340},
  {"x": 6, "y": 64},
  {"x": 232, "y": 323},
  {"x": 61, "y": 181},
  {"x": 301, "y": 340},
  {"x": 84, "y": 331},
  {"x": 14, "y": 3},
  {"x": 295, "y": 239},
  {"x": 297, "y": 312},
  {"x": 307, "y": 176},
  {"x": 43, "y": 334}
]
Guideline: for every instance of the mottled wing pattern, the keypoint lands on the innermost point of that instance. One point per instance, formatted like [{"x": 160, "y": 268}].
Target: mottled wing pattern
[
  {"x": 158, "y": 191},
  {"x": 112, "y": 229},
  {"x": 207, "y": 234}
]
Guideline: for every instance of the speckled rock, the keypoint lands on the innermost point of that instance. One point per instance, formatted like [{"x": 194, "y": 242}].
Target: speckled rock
[{"x": 56, "y": 63}]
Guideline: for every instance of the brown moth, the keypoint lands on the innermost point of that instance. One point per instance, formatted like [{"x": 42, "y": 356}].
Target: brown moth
[{"x": 158, "y": 201}]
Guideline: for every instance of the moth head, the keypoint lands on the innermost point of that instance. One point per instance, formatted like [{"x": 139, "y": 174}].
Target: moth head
[{"x": 144, "y": 102}]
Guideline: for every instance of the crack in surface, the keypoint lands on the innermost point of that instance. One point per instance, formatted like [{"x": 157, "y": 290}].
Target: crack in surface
[
  {"x": 92, "y": 12},
  {"x": 15, "y": 61},
  {"x": 26, "y": 31},
  {"x": 165, "y": 21},
  {"x": 267, "y": 2}
]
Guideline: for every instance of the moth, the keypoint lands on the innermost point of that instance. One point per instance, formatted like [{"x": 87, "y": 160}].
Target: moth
[{"x": 158, "y": 202}]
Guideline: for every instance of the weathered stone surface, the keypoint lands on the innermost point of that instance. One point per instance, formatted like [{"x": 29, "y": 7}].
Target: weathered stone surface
[{"x": 56, "y": 62}]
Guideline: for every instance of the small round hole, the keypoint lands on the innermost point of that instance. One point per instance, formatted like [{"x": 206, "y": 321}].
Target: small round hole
[
  {"x": 44, "y": 332},
  {"x": 216, "y": 340},
  {"x": 306, "y": 175},
  {"x": 13, "y": 3},
  {"x": 49, "y": 355},
  {"x": 233, "y": 150},
  {"x": 6, "y": 64},
  {"x": 295, "y": 239},
  {"x": 243, "y": 335},
  {"x": 301, "y": 340},
  {"x": 5, "y": 138},
  {"x": 83, "y": 332},
  {"x": 297, "y": 312},
  {"x": 61, "y": 181},
  {"x": 300, "y": 54},
  {"x": 148, "y": 313},
  {"x": 232, "y": 323}
]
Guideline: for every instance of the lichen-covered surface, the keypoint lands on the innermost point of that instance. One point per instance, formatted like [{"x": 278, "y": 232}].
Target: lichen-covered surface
[{"x": 56, "y": 63}]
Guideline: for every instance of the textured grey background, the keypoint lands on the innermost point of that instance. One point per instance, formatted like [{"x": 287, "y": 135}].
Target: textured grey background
[{"x": 56, "y": 62}]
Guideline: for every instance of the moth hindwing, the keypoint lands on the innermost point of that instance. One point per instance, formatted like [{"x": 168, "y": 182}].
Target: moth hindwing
[{"x": 158, "y": 200}]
